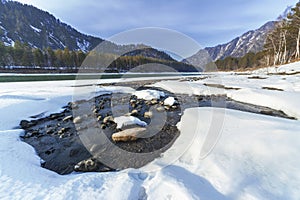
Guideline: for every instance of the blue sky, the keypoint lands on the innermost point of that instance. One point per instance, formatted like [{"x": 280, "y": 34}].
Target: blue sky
[{"x": 210, "y": 22}]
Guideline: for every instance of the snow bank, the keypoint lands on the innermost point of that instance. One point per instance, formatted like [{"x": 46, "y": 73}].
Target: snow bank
[
  {"x": 290, "y": 68},
  {"x": 256, "y": 157},
  {"x": 288, "y": 102}
]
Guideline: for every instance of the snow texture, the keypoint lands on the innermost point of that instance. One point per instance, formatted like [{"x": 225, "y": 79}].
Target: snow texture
[{"x": 255, "y": 156}]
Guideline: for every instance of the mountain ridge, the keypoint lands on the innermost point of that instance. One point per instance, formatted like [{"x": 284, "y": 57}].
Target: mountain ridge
[
  {"x": 251, "y": 41},
  {"x": 40, "y": 29}
]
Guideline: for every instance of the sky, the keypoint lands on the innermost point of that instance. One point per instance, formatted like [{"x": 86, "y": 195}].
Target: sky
[{"x": 209, "y": 22}]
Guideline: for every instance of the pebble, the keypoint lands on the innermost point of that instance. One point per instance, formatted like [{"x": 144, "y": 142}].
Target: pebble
[
  {"x": 103, "y": 126},
  {"x": 77, "y": 120},
  {"x": 154, "y": 101},
  {"x": 108, "y": 119},
  {"x": 134, "y": 113},
  {"x": 148, "y": 115},
  {"x": 160, "y": 109}
]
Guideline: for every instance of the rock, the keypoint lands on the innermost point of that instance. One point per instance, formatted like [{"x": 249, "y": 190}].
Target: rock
[
  {"x": 31, "y": 134},
  {"x": 167, "y": 107},
  {"x": 95, "y": 111},
  {"x": 70, "y": 117},
  {"x": 81, "y": 128},
  {"x": 170, "y": 101},
  {"x": 108, "y": 119},
  {"x": 134, "y": 113},
  {"x": 125, "y": 121},
  {"x": 128, "y": 135},
  {"x": 103, "y": 126},
  {"x": 49, "y": 131},
  {"x": 77, "y": 120},
  {"x": 91, "y": 165},
  {"x": 62, "y": 131},
  {"x": 99, "y": 118},
  {"x": 160, "y": 109},
  {"x": 88, "y": 165},
  {"x": 154, "y": 101},
  {"x": 148, "y": 115},
  {"x": 55, "y": 116},
  {"x": 132, "y": 101},
  {"x": 25, "y": 124},
  {"x": 74, "y": 105}
]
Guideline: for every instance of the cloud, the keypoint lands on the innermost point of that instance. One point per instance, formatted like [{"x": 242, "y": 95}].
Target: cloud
[{"x": 195, "y": 18}]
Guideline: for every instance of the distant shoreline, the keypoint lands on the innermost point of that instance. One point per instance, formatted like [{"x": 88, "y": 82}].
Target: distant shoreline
[{"x": 28, "y": 77}]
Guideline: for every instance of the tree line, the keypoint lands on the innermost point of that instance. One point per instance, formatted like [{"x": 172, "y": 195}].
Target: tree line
[
  {"x": 250, "y": 60},
  {"x": 21, "y": 54},
  {"x": 283, "y": 43}
]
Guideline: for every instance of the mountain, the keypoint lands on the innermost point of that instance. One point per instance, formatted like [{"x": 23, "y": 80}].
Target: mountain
[
  {"x": 39, "y": 29},
  {"x": 252, "y": 41}
]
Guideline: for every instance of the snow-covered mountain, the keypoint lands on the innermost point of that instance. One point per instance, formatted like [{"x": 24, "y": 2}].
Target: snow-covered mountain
[
  {"x": 252, "y": 41},
  {"x": 40, "y": 29}
]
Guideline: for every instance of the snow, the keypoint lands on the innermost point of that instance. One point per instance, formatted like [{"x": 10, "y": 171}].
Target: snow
[
  {"x": 149, "y": 94},
  {"x": 170, "y": 101},
  {"x": 273, "y": 99},
  {"x": 287, "y": 68},
  {"x": 124, "y": 121},
  {"x": 220, "y": 153},
  {"x": 36, "y": 29},
  {"x": 83, "y": 45},
  {"x": 248, "y": 90},
  {"x": 255, "y": 157}
]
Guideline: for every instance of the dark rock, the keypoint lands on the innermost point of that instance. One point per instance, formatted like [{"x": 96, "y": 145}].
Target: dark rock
[
  {"x": 27, "y": 124},
  {"x": 91, "y": 165},
  {"x": 55, "y": 116},
  {"x": 108, "y": 119}
]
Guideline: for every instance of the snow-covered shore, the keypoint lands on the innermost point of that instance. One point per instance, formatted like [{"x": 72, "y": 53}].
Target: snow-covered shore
[{"x": 255, "y": 157}]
